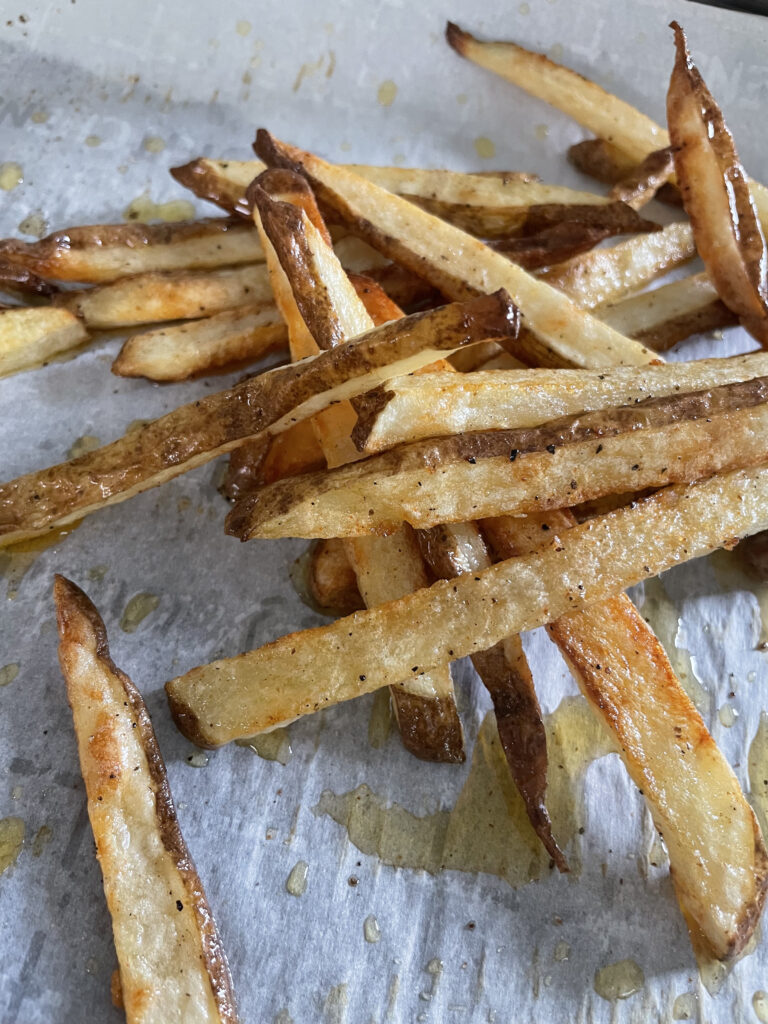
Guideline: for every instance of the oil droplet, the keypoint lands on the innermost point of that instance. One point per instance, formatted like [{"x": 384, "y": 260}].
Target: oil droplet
[
  {"x": 83, "y": 445},
  {"x": 34, "y": 224},
  {"x": 485, "y": 147},
  {"x": 16, "y": 793},
  {"x": 542, "y": 131},
  {"x": 712, "y": 972},
  {"x": 380, "y": 722},
  {"x": 335, "y": 1006},
  {"x": 371, "y": 929},
  {"x": 283, "y": 1017},
  {"x": 11, "y": 175},
  {"x": 399, "y": 159},
  {"x": 760, "y": 1006},
  {"x": 43, "y": 836},
  {"x": 17, "y": 559},
  {"x": 758, "y": 772},
  {"x": 556, "y": 52},
  {"x": 8, "y": 673},
  {"x": 751, "y": 677},
  {"x": 153, "y": 144},
  {"x": 524, "y": 8},
  {"x": 93, "y": 141},
  {"x": 657, "y": 855},
  {"x": 305, "y": 70},
  {"x": 661, "y": 614},
  {"x": 39, "y": 116},
  {"x": 462, "y": 98},
  {"x": 137, "y": 609},
  {"x": 727, "y": 716},
  {"x": 731, "y": 576},
  {"x": 243, "y": 28},
  {"x": 684, "y": 1007},
  {"x": 136, "y": 425},
  {"x": 562, "y": 952},
  {"x": 620, "y": 980},
  {"x": 198, "y": 760},
  {"x": 144, "y": 209},
  {"x": 11, "y": 841},
  {"x": 97, "y": 573},
  {"x": 435, "y": 967},
  {"x": 387, "y": 92},
  {"x": 296, "y": 882},
  {"x": 271, "y": 746}
]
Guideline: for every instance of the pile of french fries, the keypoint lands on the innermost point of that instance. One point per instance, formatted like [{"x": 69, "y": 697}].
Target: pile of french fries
[{"x": 476, "y": 428}]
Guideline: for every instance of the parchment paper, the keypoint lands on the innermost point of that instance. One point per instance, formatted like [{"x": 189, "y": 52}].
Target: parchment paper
[{"x": 202, "y": 77}]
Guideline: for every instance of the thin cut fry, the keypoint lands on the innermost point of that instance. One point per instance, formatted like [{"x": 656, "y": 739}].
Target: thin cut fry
[
  {"x": 552, "y": 245},
  {"x": 30, "y": 336},
  {"x": 454, "y": 262},
  {"x": 200, "y": 346},
  {"x": 675, "y": 439},
  {"x": 331, "y": 579},
  {"x": 176, "y": 295},
  {"x": 172, "y": 964},
  {"x": 717, "y": 858},
  {"x": 302, "y": 672},
  {"x": 269, "y": 403},
  {"x": 643, "y": 182},
  {"x": 716, "y": 194},
  {"x": 416, "y": 407},
  {"x": 105, "y": 252},
  {"x": 606, "y": 275}
]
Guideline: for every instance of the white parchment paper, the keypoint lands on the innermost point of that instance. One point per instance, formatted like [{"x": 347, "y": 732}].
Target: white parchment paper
[{"x": 83, "y": 86}]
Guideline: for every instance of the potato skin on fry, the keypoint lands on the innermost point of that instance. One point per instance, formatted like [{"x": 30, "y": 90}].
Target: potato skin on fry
[{"x": 172, "y": 963}]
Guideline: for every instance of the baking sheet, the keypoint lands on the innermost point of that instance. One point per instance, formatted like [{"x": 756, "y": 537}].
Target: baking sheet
[{"x": 85, "y": 87}]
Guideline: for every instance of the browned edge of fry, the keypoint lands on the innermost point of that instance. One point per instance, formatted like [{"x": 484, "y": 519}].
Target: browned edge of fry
[
  {"x": 553, "y": 244},
  {"x": 331, "y": 580},
  {"x": 16, "y": 278},
  {"x": 602, "y": 161},
  {"x": 712, "y": 317},
  {"x": 72, "y": 606},
  {"x": 644, "y": 181},
  {"x": 430, "y": 727},
  {"x": 407, "y": 289},
  {"x": 205, "y": 184}
]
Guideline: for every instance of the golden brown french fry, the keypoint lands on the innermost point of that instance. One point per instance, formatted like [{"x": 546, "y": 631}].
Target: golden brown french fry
[
  {"x": 268, "y": 403},
  {"x": 642, "y": 183},
  {"x": 437, "y": 405},
  {"x": 606, "y": 275},
  {"x": 405, "y": 289},
  {"x": 450, "y": 551},
  {"x": 18, "y": 280},
  {"x": 331, "y": 579},
  {"x": 455, "y": 262},
  {"x": 105, "y": 252},
  {"x": 172, "y": 963},
  {"x": 676, "y": 439},
  {"x": 302, "y": 672},
  {"x": 314, "y": 294},
  {"x": 601, "y": 160},
  {"x": 552, "y": 245},
  {"x": 30, "y": 336},
  {"x": 716, "y": 194},
  {"x": 717, "y": 858},
  {"x": 199, "y": 346},
  {"x": 173, "y": 295},
  {"x": 670, "y": 313}
]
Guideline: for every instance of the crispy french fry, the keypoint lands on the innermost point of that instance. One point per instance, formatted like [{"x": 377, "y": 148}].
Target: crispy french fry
[
  {"x": 199, "y": 346},
  {"x": 676, "y": 439},
  {"x": 313, "y": 293},
  {"x": 18, "y": 280},
  {"x": 405, "y": 289},
  {"x": 105, "y": 252},
  {"x": 454, "y": 262},
  {"x": 717, "y": 858},
  {"x": 552, "y": 245},
  {"x": 302, "y": 672},
  {"x": 716, "y": 194},
  {"x": 174, "y": 295},
  {"x": 416, "y": 407},
  {"x": 331, "y": 579},
  {"x": 606, "y": 275},
  {"x": 670, "y": 313},
  {"x": 642, "y": 183},
  {"x": 451, "y": 551},
  {"x": 269, "y": 403},
  {"x": 602, "y": 160},
  {"x": 172, "y": 964},
  {"x": 29, "y": 336}
]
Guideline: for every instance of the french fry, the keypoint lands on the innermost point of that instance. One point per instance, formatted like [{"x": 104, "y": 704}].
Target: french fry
[
  {"x": 552, "y": 245},
  {"x": 404, "y": 288},
  {"x": 676, "y": 439},
  {"x": 606, "y": 275},
  {"x": 302, "y": 672},
  {"x": 716, "y": 194},
  {"x": 18, "y": 280},
  {"x": 199, "y": 346},
  {"x": 172, "y": 963},
  {"x": 456, "y": 263},
  {"x": 602, "y": 160},
  {"x": 30, "y": 336},
  {"x": 106, "y": 252},
  {"x": 642, "y": 183},
  {"x": 436, "y": 405},
  {"x": 331, "y": 579},
  {"x": 269, "y": 403},
  {"x": 294, "y": 451},
  {"x": 173, "y": 295},
  {"x": 322, "y": 307},
  {"x": 717, "y": 858},
  {"x": 451, "y": 551},
  {"x": 670, "y": 313}
]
